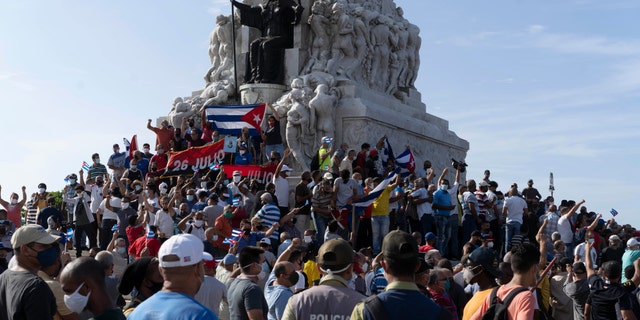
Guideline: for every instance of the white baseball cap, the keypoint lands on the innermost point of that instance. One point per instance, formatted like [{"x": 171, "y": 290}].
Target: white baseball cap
[
  {"x": 286, "y": 168},
  {"x": 632, "y": 242},
  {"x": 180, "y": 251}
]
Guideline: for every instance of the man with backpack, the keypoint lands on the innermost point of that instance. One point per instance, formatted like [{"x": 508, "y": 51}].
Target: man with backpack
[
  {"x": 401, "y": 298},
  {"x": 514, "y": 300}
]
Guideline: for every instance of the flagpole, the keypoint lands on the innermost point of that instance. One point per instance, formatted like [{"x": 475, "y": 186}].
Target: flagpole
[{"x": 235, "y": 64}]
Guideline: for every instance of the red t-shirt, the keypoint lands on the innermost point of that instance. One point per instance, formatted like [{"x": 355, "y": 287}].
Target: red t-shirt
[
  {"x": 425, "y": 248},
  {"x": 163, "y": 136},
  {"x": 136, "y": 248},
  {"x": 134, "y": 233}
]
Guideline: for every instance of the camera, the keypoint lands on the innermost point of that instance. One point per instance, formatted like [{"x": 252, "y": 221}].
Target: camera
[{"x": 459, "y": 165}]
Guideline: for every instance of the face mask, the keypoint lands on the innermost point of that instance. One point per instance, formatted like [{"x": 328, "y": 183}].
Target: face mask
[
  {"x": 14, "y": 201},
  {"x": 590, "y": 240},
  {"x": 146, "y": 192},
  {"x": 116, "y": 150},
  {"x": 47, "y": 257},
  {"x": 215, "y": 237},
  {"x": 99, "y": 183},
  {"x": 41, "y": 190},
  {"x": 228, "y": 215},
  {"x": 242, "y": 152},
  {"x": 125, "y": 205},
  {"x": 371, "y": 186},
  {"x": 198, "y": 223},
  {"x": 97, "y": 160},
  {"x": 138, "y": 187},
  {"x": 146, "y": 150},
  {"x": 72, "y": 181},
  {"x": 444, "y": 187},
  {"x": 225, "y": 182},
  {"x": 293, "y": 278},
  {"x": 307, "y": 239},
  {"x": 237, "y": 179},
  {"x": 134, "y": 169},
  {"x": 365, "y": 267},
  {"x": 359, "y": 182},
  {"x": 122, "y": 251},
  {"x": 490, "y": 244},
  {"x": 160, "y": 151},
  {"x": 447, "y": 285},
  {"x": 189, "y": 197},
  {"x": 203, "y": 184},
  {"x": 263, "y": 275},
  {"x": 76, "y": 302}
]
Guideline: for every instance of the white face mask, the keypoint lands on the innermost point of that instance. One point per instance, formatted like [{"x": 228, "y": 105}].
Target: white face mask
[
  {"x": 243, "y": 152},
  {"x": 237, "y": 179},
  {"x": 203, "y": 184},
  {"x": 76, "y": 302},
  {"x": 189, "y": 197},
  {"x": 215, "y": 237},
  {"x": 467, "y": 275},
  {"x": 365, "y": 267},
  {"x": 307, "y": 239},
  {"x": 97, "y": 160},
  {"x": 125, "y": 205},
  {"x": 14, "y": 201},
  {"x": 198, "y": 223},
  {"x": 261, "y": 275},
  {"x": 41, "y": 190},
  {"x": 146, "y": 150}
]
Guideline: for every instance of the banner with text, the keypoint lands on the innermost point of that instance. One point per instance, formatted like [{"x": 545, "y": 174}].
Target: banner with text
[
  {"x": 194, "y": 159},
  {"x": 263, "y": 174}
]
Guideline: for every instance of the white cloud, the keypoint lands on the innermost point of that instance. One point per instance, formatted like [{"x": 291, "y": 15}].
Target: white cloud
[
  {"x": 536, "y": 28},
  {"x": 571, "y": 43}
]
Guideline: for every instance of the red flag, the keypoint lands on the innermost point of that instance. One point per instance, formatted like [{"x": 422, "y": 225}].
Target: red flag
[
  {"x": 254, "y": 117},
  {"x": 133, "y": 146}
]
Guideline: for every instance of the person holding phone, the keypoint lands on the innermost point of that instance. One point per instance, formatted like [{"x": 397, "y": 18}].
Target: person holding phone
[{"x": 580, "y": 252}]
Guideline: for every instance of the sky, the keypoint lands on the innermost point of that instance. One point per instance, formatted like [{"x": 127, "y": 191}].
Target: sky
[{"x": 534, "y": 86}]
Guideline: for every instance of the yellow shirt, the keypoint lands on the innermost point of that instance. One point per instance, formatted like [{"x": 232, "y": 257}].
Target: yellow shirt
[
  {"x": 325, "y": 165},
  {"x": 312, "y": 272},
  {"x": 475, "y": 303},
  {"x": 381, "y": 204}
]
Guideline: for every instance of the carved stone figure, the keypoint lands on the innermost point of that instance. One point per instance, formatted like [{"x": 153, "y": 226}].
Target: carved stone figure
[
  {"x": 381, "y": 40},
  {"x": 220, "y": 49},
  {"x": 323, "y": 109},
  {"x": 413, "y": 54},
  {"x": 299, "y": 134},
  {"x": 179, "y": 110},
  {"x": 276, "y": 19},
  {"x": 342, "y": 50},
  {"x": 320, "y": 43},
  {"x": 362, "y": 63},
  {"x": 217, "y": 93}
]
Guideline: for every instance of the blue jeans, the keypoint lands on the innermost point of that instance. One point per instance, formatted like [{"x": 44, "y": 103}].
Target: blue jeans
[
  {"x": 469, "y": 225},
  {"x": 513, "y": 228},
  {"x": 379, "y": 229},
  {"x": 428, "y": 223},
  {"x": 320, "y": 224},
  {"x": 452, "y": 238},
  {"x": 442, "y": 224}
]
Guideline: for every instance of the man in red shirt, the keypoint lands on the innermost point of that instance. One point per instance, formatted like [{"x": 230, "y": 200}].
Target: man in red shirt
[
  {"x": 146, "y": 246},
  {"x": 164, "y": 134}
]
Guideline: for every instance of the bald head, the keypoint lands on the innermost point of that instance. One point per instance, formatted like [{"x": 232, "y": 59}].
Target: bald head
[{"x": 83, "y": 269}]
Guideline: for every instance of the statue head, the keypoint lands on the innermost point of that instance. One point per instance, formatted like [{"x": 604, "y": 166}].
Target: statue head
[
  {"x": 399, "y": 11},
  {"x": 322, "y": 88},
  {"x": 177, "y": 100},
  {"x": 297, "y": 83},
  {"x": 297, "y": 94},
  {"x": 221, "y": 19},
  {"x": 337, "y": 8}
]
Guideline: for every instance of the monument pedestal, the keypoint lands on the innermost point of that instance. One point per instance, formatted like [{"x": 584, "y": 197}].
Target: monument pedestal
[{"x": 261, "y": 92}]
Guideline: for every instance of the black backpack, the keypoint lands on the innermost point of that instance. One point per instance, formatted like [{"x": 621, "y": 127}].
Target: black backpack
[{"x": 498, "y": 308}]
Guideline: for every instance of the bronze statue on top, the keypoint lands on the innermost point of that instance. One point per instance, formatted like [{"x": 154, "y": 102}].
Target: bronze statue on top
[{"x": 276, "y": 19}]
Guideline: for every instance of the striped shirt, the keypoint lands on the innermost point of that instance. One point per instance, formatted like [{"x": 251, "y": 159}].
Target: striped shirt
[{"x": 270, "y": 214}]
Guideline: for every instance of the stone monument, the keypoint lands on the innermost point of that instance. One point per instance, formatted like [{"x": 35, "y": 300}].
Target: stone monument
[{"x": 349, "y": 74}]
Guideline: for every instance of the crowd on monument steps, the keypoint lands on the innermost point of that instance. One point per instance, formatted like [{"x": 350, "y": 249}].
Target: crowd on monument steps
[{"x": 351, "y": 239}]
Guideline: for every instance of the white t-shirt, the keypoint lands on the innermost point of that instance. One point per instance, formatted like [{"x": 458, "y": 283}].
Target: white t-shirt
[
  {"x": 453, "y": 192},
  {"x": 564, "y": 228},
  {"x": 96, "y": 196},
  {"x": 515, "y": 208},
  {"x": 106, "y": 213},
  {"x": 578, "y": 252},
  {"x": 164, "y": 221},
  {"x": 424, "y": 207},
  {"x": 282, "y": 190}
]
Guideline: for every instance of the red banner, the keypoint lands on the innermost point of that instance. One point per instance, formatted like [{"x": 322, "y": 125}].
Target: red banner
[
  {"x": 193, "y": 159},
  {"x": 263, "y": 174}
]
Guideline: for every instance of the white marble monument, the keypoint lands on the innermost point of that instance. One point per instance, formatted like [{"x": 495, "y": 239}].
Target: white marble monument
[{"x": 350, "y": 75}]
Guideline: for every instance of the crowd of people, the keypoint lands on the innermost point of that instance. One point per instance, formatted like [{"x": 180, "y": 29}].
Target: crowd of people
[{"x": 216, "y": 244}]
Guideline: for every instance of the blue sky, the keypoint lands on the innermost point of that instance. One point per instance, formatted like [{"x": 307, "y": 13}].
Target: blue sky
[{"x": 534, "y": 86}]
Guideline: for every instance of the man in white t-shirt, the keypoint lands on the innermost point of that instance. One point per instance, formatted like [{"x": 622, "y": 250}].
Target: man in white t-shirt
[
  {"x": 565, "y": 229},
  {"x": 579, "y": 253},
  {"x": 282, "y": 185},
  {"x": 514, "y": 209},
  {"x": 164, "y": 218}
]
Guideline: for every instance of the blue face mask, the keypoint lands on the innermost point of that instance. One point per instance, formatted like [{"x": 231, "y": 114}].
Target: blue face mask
[{"x": 47, "y": 257}]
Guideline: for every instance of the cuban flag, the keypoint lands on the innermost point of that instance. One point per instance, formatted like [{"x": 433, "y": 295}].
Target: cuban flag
[
  {"x": 236, "y": 234},
  {"x": 215, "y": 166},
  {"x": 66, "y": 179},
  {"x": 229, "y": 120},
  {"x": 131, "y": 146},
  {"x": 150, "y": 233},
  {"x": 375, "y": 193},
  {"x": 85, "y": 166},
  {"x": 387, "y": 153},
  {"x": 614, "y": 212},
  {"x": 406, "y": 162}
]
